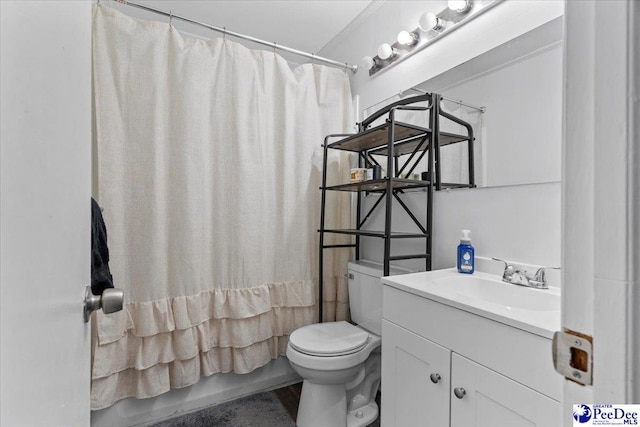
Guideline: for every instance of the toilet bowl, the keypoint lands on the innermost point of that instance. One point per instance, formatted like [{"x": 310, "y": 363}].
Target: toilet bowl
[
  {"x": 340, "y": 365},
  {"x": 340, "y": 362}
]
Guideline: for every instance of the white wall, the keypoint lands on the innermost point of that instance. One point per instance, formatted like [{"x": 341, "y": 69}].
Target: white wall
[{"x": 518, "y": 223}]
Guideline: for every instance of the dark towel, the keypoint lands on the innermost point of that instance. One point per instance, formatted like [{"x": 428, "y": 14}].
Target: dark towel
[{"x": 101, "y": 278}]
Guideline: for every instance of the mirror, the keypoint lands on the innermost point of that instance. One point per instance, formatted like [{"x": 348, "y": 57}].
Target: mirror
[{"x": 518, "y": 136}]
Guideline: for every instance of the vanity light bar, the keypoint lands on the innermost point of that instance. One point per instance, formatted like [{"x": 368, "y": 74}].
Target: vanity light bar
[{"x": 431, "y": 28}]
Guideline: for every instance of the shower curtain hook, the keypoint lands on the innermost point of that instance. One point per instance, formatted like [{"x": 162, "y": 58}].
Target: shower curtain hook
[
  {"x": 274, "y": 48},
  {"x": 313, "y": 59},
  {"x": 224, "y": 33},
  {"x": 170, "y": 17}
]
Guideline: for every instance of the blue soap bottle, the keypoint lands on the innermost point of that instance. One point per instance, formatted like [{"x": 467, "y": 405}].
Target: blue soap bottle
[{"x": 466, "y": 254}]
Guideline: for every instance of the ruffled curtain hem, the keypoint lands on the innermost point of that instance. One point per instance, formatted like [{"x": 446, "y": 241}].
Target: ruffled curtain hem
[
  {"x": 141, "y": 353},
  {"x": 152, "y": 347},
  {"x": 149, "y": 318},
  {"x": 162, "y": 377}
]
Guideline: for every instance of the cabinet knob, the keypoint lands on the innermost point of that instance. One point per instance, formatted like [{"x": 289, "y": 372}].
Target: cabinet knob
[
  {"x": 459, "y": 392},
  {"x": 435, "y": 378}
]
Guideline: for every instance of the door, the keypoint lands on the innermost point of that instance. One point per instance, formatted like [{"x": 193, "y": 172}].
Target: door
[
  {"x": 45, "y": 181},
  {"x": 481, "y": 397},
  {"x": 415, "y": 379},
  {"x": 601, "y": 197}
]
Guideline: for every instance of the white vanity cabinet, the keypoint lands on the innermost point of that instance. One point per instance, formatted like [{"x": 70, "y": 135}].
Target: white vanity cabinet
[
  {"x": 491, "y": 399},
  {"x": 409, "y": 396},
  {"x": 432, "y": 351}
]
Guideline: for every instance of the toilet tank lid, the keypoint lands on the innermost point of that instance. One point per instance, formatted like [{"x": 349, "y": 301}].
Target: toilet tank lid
[{"x": 329, "y": 338}]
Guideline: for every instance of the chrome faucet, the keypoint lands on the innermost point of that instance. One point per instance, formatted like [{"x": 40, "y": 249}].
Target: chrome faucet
[{"x": 520, "y": 276}]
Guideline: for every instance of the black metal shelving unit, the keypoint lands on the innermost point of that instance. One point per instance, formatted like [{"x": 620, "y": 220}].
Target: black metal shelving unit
[{"x": 394, "y": 139}]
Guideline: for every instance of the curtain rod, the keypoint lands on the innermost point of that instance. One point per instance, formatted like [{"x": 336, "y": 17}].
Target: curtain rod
[{"x": 346, "y": 66}]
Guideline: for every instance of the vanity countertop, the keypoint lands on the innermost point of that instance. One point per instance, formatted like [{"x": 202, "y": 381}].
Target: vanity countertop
[{"x": 534, "y": 310}]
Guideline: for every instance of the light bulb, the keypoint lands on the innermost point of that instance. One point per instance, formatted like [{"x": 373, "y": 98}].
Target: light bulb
[
  {"x": 367, "y": 62},
  {"x": 406, "y": 38},
  {"x": 429, "y": 21},
  {"x": 385, "y": 51},
  {"x": 460, "y": 6}
]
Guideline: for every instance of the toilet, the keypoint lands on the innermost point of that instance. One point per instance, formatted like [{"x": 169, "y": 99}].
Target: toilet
[{"x": 340, "y": 362}]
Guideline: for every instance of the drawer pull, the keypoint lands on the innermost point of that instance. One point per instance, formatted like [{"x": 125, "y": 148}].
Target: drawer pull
[
  {"x": 435, "y": 378},
  {"x": 459, "y": 392}
]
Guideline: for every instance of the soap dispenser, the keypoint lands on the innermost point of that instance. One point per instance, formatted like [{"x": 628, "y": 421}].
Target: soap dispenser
[{"x": 466, "y": 254}]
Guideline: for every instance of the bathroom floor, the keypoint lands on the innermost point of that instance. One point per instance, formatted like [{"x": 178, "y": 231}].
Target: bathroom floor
[
  {"x": 277, "y": 408},
  {"x": 257, "y": 410},
  {"x": 290, "y": 397}
]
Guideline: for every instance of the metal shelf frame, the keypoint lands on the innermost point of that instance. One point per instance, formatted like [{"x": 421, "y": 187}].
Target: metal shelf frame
[{"x": 392, "y": 140}]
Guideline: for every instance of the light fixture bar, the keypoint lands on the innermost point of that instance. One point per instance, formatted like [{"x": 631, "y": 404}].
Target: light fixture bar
[
  {"x": 352, "y": 67},
  {"x": 446, "y": 22}
]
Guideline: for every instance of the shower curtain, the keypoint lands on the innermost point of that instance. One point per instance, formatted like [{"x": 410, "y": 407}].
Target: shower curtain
[{"x": 208, "y": 168}]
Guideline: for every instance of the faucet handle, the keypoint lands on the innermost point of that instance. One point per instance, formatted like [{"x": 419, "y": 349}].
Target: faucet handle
[
  {"x": 541, "y": 275},
  {"x": 508, "y": 269},
  {"x": 540, "y": 278},
  {"x": 506, "y": 264}
]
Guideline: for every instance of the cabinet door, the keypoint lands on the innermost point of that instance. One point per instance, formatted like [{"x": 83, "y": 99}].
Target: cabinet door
[
  {"x": 409, "y": 396},
  {"x": 492, "y": 399}
]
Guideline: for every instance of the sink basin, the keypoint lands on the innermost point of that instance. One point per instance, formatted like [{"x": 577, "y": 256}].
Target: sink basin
[
  {"x": 495, "y": 291},
  {"x": 534, "y": 310}
]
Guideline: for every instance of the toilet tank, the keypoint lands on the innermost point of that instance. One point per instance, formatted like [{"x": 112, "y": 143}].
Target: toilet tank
[{"x": 365, "y": 293}]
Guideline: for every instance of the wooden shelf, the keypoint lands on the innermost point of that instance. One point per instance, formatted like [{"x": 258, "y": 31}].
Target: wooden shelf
[
  {"x": 379, "y": 185},
  {"x": 408, "y": 146},
  {"x": 379, "y": 137},
  {"x": 374, "y": 233},
  {"x": 453, "y": 185}
]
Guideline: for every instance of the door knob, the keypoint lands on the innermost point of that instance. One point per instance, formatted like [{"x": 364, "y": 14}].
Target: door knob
[
  {"x": 459, "y": 392},
  {"x": 111, "y": 300},
  {"x": 435, "y": 378}
]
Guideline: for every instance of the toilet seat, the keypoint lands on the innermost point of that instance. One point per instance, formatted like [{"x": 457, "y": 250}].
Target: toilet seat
[{"x": 329, "y": 339}]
